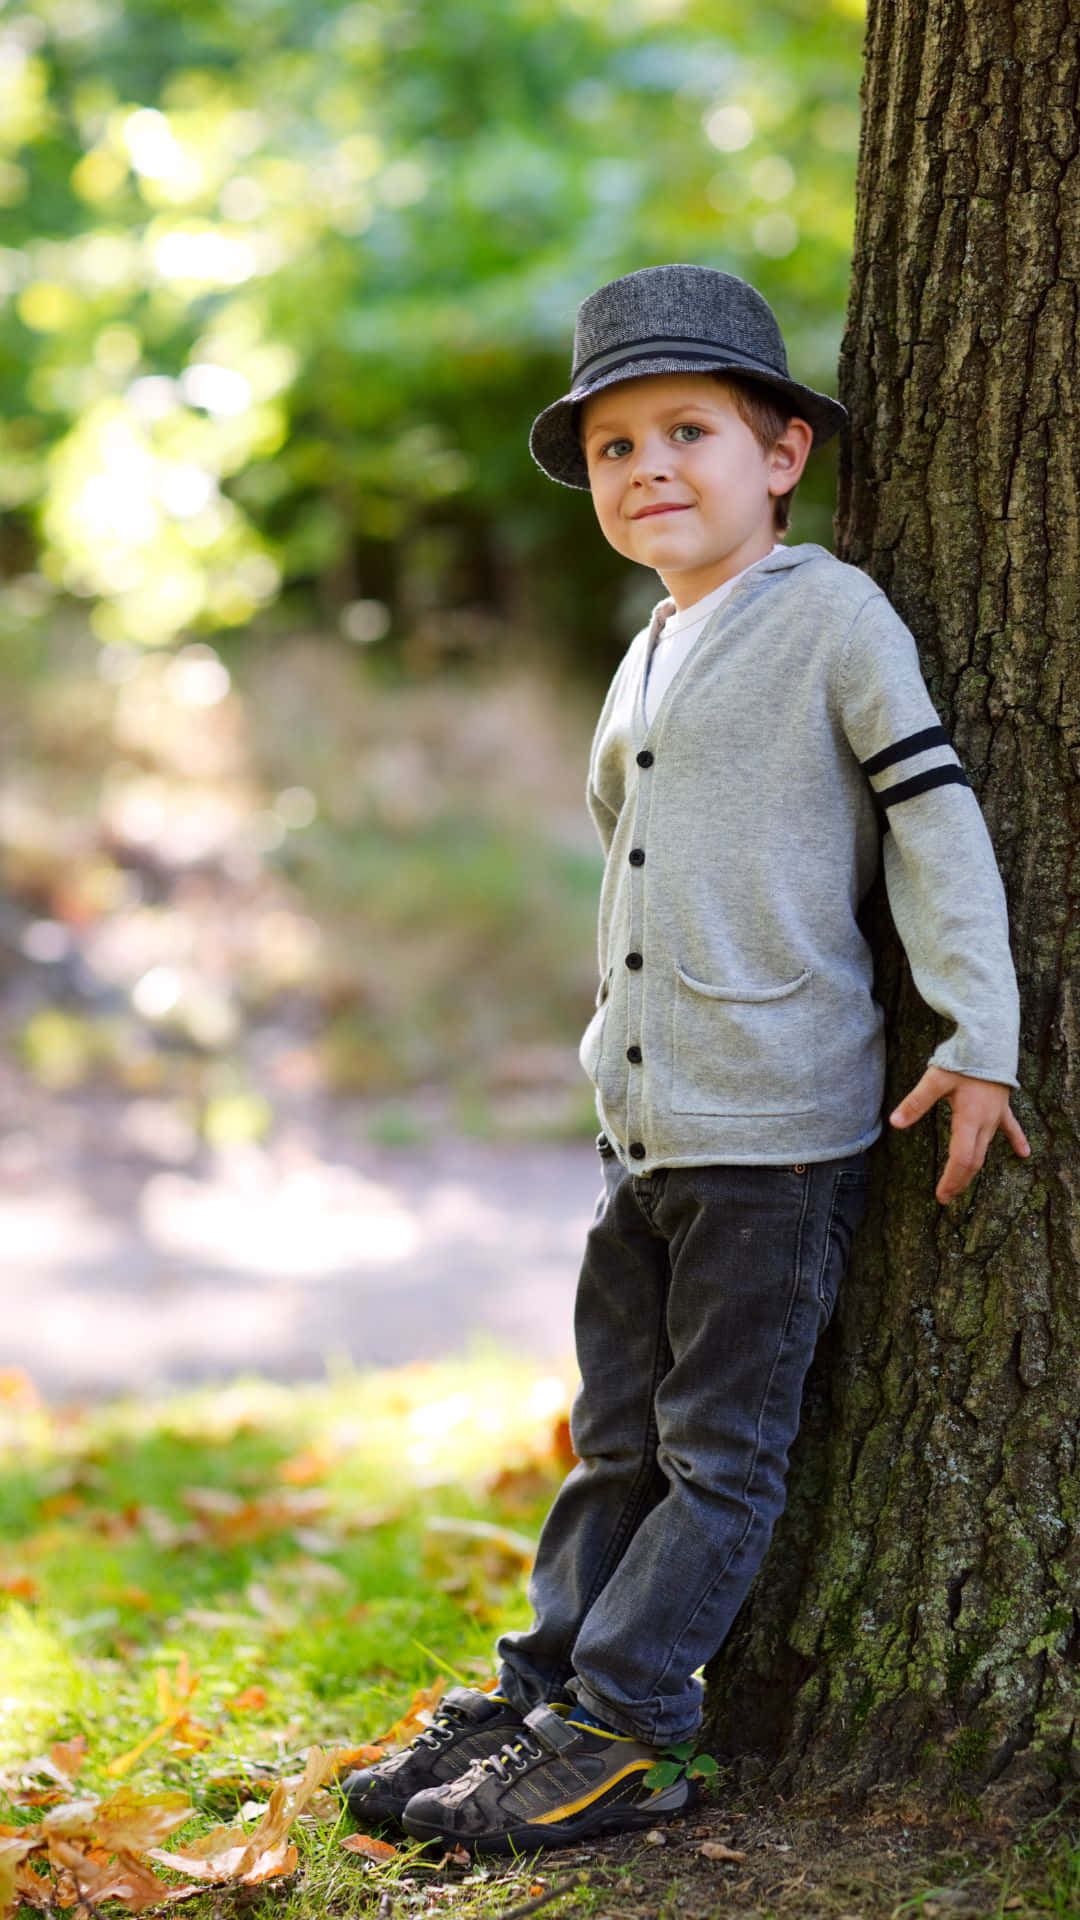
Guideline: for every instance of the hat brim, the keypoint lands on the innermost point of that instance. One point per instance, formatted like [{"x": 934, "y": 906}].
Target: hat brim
[{"x": 556, "y": 448}]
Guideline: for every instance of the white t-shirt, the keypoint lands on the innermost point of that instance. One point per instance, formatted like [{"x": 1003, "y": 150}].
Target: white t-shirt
[{"x": 677, "y": 636}]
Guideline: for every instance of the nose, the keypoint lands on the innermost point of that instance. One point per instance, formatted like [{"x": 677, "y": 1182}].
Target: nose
[{"x": 652, "y": 463}]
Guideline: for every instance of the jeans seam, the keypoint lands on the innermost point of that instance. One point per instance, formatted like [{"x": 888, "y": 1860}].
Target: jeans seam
[
  {"x": 737, "y": 1545},
  {"x": 830, "y": 1233},
  {"x": 628, "y": 1518}
]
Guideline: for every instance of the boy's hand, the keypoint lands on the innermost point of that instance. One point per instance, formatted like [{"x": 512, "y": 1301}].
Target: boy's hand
[{"x": 979, "y": 1108}]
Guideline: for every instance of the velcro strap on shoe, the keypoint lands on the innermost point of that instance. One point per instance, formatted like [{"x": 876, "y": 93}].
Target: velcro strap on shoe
[{"x": 549, "y": 1729}]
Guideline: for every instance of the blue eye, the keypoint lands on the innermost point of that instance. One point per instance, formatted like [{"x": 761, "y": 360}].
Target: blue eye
[
  {"x": 614, "y": 449},
  {"x": 693, "y": 433}
]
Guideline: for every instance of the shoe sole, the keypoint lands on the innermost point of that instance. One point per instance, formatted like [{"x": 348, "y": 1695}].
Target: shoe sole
[
  {"x": 527, "y": 1838},
  {"x": 376, "y": 1813}
]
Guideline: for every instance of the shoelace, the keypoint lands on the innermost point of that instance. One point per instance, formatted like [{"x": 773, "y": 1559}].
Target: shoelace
[
  {"x": 512, "y": 1758},
  {"x": 444, "y": 1724}
]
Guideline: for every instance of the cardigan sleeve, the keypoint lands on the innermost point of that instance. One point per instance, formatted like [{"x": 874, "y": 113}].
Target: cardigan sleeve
[{"x": 941, "y": 876}]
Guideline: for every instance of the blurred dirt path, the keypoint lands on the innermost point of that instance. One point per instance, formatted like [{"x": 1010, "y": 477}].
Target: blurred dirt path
[{"x": 128, "y": 1264}]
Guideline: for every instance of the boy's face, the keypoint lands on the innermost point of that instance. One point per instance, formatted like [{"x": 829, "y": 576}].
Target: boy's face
[{"x": 679, "y": 481}]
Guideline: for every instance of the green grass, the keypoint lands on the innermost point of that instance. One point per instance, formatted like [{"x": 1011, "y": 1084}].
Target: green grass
[
  {"x": 117, "y": 1564},
  {"x": 280, "y": 1539}
]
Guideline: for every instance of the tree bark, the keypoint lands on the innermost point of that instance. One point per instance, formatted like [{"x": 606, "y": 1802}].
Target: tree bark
[{"x": 918, "y": 1613}]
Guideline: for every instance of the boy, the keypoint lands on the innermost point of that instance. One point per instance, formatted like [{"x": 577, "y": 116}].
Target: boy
[{"x": 766, "y": 739}]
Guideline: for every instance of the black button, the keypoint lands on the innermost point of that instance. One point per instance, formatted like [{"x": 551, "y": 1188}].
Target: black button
[
  {"x": 633, "y": 1054},
  {"x": 644, "y": 758},
  {"x": 634, "y": 961},
  {"x": 637, "y": 856},
  {"x": 637, "y": 1151}
]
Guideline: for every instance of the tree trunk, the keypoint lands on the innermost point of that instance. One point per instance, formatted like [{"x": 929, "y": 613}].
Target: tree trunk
[{"x": 917, "y": 1616}]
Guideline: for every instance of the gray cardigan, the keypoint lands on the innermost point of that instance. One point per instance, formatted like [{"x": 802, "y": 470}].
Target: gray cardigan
[{"x": 796, "y": 745}]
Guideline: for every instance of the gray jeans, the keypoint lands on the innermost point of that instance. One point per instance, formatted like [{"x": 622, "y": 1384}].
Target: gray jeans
[{"x": 701, "y": 1297}]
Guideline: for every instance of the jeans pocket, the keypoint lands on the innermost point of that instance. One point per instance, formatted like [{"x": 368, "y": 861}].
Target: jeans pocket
[{"x": 743, "y": 1050}]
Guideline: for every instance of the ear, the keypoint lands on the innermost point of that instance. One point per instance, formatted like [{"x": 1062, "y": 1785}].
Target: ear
[{"x": 789, "y": 456}]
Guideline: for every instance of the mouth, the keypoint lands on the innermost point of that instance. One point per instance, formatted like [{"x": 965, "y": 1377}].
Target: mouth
[{"x": 648, "y": 513}]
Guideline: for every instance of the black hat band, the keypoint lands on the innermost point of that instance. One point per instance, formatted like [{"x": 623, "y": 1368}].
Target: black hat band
[{"x": 665, "y": 346}]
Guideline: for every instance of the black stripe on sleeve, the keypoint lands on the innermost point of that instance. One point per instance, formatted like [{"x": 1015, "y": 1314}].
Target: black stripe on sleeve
[
  {"x": 903, "y": 749},
  {"x": 921, "y": 783}
]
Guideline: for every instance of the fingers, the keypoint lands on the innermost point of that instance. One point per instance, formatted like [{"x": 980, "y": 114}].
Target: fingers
[
  {"x": 922, "y": 1097},
  {"x": 1014, "y": 1134},
  {"x": 967, "y": 1151},
  {"x": 968, "y": 1147}
]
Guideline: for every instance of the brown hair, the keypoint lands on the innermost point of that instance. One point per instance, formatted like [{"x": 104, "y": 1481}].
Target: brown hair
[{"x": 764, "y": 412}]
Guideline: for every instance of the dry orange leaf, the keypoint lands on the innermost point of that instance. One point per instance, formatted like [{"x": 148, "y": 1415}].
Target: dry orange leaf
[
  {"x": 33, "y": 1888},
  {"x": 416, "y": 1716},
  {"x": 190, "y": 1736},
  {"x": 305, "y": 1468},
  {"x": 561, "y": 1444},
  {"x": 130, "y": 1822},
  {"x": 371, "y": 1849},
  {"x": 231, "y": 1854},
  {"x": 228, "y": 1518},
  {"x": 716, "y": 1850},
  {"x": 123, "y": 1879},
  {"x": 68, "y": 1755},
  {"x": 252, "y": 1700},
  {"x": 172, "y": 1704},
  {"x": 15, "y": 1850},
  {"x": 347, "y": 1757},
  {"x": 20, "y": 1586},
  {"x": 17, "y": 1389}
]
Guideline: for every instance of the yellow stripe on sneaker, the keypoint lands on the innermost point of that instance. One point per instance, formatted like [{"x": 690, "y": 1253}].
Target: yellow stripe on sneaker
[
  {"x": 599, "y": 1733},
  {"x": 586, "y": 1800}
]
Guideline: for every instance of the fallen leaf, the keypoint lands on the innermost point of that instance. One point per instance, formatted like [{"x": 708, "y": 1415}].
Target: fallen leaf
[
  {"x": 520, "y": 1486},
  {"x": 32, "y": 1888},
  {"x": 655, "y": 1837},
  {"x": 417, "y": 1715},
  {"x": 190, "y": 1736},
  {"x": 172, "y": 1704},
  {"x": 16, "y": 1850},
  {"x": 303, "y": 1469},
  {"x": 716, "y": 1850},
  {"x": 130, "y": 1822},
  {"x": 124, "y": 1879},
  {"x": 8, "y": 1871},
  {"x": 73, "y": 1820},
  {"x": 17, "y": 1389},
  {"x": 345, "y": 1758},
  {"x": 321, "y": 1807},
  {"x": 371, "y": 1849},
  {"x": 561, "y": 1444},
  {"x": 228, "y": 1518},
  {"x": 516, "y": 1546},
  {"x": 228, "y": 1853},
  {"x": 20, "y": 1586},
  {"x": 459, "y": 1857},
  {"x": 252, "y": 1700},
  {"x": 67, "y": 1756}
]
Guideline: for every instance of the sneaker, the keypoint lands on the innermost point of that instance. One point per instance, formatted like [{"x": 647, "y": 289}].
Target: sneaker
[
  {"x": 553, "y": 1784},
  {"x": 466, "y": 1725}
]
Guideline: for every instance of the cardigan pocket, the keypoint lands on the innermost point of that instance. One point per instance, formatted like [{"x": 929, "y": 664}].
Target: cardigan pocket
[
  {"x": 743, "y": 1050},
  {"x": 592, "y": 1040}
]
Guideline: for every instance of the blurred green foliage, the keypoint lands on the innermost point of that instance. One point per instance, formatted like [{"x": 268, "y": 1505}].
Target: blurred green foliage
[{"x": 282, "y": 286}]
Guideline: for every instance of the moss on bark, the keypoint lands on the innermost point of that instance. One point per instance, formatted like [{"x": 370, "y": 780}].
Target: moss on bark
[{"x": 918, "y": 1614}]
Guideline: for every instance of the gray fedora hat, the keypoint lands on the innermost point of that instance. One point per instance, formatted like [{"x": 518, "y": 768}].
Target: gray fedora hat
[{"x": 677, "y": 319}]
